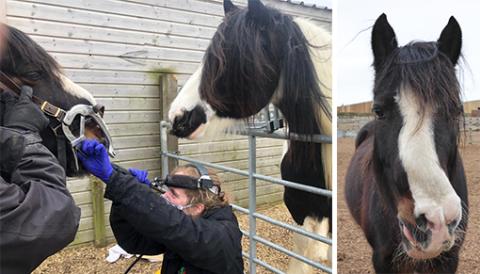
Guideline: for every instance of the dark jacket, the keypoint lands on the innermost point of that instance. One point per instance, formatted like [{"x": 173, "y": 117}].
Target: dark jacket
[
  {"x": 143, "y": 223},
  {"x": 38, "y": 216}
]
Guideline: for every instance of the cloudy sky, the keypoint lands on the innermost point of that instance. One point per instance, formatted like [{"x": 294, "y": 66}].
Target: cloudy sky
[{"x": 411, "y": 20}]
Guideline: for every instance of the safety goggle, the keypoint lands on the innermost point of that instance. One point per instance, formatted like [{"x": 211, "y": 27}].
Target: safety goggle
[
  {"x": 187, "y": 182},
  {"x": 83, "y": 122}
]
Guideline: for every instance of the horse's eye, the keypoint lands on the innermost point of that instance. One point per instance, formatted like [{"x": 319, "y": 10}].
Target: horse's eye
[
  {"x": 378, "y": 112},
  {"x": 33, "y": 75}
]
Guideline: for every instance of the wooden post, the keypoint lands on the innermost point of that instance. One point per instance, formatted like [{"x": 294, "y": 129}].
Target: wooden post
[
  {"x": 168, "y": 92},
  {"x": 99, "y": 229}
]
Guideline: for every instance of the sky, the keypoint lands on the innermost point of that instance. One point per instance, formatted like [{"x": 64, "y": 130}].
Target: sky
[{"x": 421, "y": 20}]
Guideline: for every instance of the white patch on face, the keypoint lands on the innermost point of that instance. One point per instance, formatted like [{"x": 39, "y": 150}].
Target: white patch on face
[
  {"x": 188, "y": 98},
  {"x": 430, "y": 187},
  {"x": 76, "y": 90}
]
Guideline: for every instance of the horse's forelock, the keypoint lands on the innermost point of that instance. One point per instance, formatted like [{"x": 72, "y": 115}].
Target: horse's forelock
[
  {"x": 429, "y": 76},
  {"x": 20, "y": 46}
]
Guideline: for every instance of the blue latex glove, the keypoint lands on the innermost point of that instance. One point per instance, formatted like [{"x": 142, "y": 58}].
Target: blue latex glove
[
  {"x": 95, "y": 159},
  {"x": 141, "y": 175}
]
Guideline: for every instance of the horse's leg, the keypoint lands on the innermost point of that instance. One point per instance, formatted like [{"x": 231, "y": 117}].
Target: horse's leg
[
  {"x": 308, "y": 247},
  {"x": 383, "y": 262}
]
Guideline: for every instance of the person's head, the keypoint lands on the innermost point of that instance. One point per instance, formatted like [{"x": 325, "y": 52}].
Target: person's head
[{"x": 195, "y": 202}]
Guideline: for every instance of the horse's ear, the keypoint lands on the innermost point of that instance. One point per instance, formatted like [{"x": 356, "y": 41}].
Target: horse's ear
[
  {"x": 257, "y": 11},
  {"x": 384, "y": 41},
  {"x": 229, "y": 7},
  {"x": 450, "y": 41}
]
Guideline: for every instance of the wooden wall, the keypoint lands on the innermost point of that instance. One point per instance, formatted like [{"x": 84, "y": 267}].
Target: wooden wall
[{"x": 117, "y": 50}]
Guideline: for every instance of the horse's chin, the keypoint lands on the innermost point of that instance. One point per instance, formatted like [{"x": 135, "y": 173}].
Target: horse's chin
[{"x": 418, "y": 254}]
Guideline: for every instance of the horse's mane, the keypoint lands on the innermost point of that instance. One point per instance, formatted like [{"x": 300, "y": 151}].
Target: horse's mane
[
  {"x": 287, "y": 65},
  {"x": 21, "y": 47},
  {"x": 428, "y": 73}
]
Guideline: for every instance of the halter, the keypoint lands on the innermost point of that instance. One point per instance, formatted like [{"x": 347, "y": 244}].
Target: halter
[{"x": 64, "y": 118}]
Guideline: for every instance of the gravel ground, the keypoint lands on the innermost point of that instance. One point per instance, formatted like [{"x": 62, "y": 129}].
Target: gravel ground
[
  {"x": 88, "y": 259},
  {"x": 354, "y": 253}
]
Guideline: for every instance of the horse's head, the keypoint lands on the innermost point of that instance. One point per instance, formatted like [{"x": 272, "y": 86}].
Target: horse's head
[
  {"x": 25, "y": 62},
  {"x": 240, "y": 71},
  {"x": 418, "y": 107}
]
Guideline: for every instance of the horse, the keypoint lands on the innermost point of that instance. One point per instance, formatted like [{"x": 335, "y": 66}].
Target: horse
[
  {"x": 405, "y": 185},
  {"x": 259, "y": 56},
  {"x": 24, "y": 62}
]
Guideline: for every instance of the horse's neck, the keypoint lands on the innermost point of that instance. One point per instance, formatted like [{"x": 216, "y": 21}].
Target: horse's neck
[{"x": 320, "y": 53}]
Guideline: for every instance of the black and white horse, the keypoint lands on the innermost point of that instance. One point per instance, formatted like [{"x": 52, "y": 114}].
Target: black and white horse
[
  {"x": 406, "y": 185},
  {"x": 259, "y": 55},
  {"x": 25, "y": 62}
]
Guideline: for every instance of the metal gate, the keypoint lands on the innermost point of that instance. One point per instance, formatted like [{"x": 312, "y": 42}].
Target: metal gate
[{"x": 251, "y": 211}]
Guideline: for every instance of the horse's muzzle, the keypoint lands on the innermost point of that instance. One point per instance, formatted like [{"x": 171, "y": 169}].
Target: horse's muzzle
[
  {"x": 184, "y": 125},
  {"x": 421, "y": 241}
]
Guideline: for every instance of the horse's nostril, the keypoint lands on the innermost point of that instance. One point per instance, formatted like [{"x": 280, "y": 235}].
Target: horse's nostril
[
  {"x": 452, "y": 225},
  {"x": 422, "y": 222}
]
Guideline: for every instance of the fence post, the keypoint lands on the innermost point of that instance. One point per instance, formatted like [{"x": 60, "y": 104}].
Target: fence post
[
  {"x": 98, "y": 208},
  {"x": 168, "y": 92},
  {"x": 252, "y": 201}
]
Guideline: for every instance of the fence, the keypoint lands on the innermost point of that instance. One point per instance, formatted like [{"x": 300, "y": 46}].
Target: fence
[{"x": 251, "y": 211}]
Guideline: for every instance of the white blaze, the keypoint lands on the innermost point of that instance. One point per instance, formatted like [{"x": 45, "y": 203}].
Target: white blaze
[
  {"x": 429, "y": 185},
  {"x": 76, "y": 90}
]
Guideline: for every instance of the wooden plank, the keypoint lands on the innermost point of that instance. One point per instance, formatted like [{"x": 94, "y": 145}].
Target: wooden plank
[
  {"x": 210, "y": 147},
  {"x": 142, "y": 164},
  {"x": 85, "y": 224},
  {"x": 81, "y": 198},
  {"x": 116, "y": 77},
  {"x": 86, "y": 210},
  {"x": 79, "y": 61},
  {"x": 136, "y": 153},
  {"x": 78, "y": 184},
  {"x": 136, "y": 141},
  {"x": 82, "y": 237},
  {"x": 104, "y": 34},
  {"x": 203, "y": 7},
  {"x": 117, "y": 130},
  {"x": 3, "y": 11},
  {"x": 235, "y": 155},
  {"x": 265, "y": 199},
  {"x": 122, "y": 91},
  {"x": 39, "y": 11},
  {"x": 131, "y": 116},
  {"x": 131, "y": 104},
  {"x": 118, "y": 50},
  {"x": 139, "y": 10}
]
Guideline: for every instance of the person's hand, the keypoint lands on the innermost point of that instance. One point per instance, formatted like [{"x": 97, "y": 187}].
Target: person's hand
[
  {"x": 25, "y": 114},
  {"x": 141, "y": 175},
  {"x": 94, "y": 158}
]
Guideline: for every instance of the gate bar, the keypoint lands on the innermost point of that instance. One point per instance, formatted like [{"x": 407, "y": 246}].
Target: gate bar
[
  {"x": 292, "y": 254},
  {"x": 252, "y": 200},
  {"x": 298, "y": 186},
  {"x": 285, "y": 225}
]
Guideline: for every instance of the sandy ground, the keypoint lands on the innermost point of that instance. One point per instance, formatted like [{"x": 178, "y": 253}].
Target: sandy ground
[
  {"x": 354, "y": 253},
  {"x": 88, "y": 259}
]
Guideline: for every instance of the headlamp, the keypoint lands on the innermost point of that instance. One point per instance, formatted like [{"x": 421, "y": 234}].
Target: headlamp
[{"x": 187, "y": 182}]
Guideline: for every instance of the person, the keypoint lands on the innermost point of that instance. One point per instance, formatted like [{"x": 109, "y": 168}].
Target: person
[
  {"x": 191, "y": 223},
  {"x": 38, "y": 216}
]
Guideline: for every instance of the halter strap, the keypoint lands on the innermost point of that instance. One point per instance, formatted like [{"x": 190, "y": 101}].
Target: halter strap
[{"x": 7, "y": 83}]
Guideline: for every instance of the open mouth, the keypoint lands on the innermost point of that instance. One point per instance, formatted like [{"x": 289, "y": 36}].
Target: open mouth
[{"x": 416, "y": 241}]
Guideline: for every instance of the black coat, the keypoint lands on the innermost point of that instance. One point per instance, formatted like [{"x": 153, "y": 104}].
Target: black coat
[
  {"x": 38, "y": 216},
  {"x": 143, "y": 223}
]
